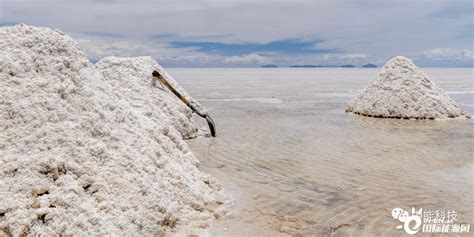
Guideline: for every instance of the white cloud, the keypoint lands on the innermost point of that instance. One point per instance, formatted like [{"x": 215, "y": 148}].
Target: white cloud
[
  {"x": 247, "y": 59},
  {"x": 96, "y": 49},
  {"x": 440, "y": 54},
  {"x": 334, "y": 59},
  {"x": 379, "y": 29},
  {"x": 356, "y": 56}
]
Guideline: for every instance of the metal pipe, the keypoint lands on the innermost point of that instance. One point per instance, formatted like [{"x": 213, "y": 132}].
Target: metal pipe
[{"x": 165, "y": 83}]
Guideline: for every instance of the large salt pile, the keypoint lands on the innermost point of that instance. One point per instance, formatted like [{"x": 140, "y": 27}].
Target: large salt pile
[
  {"x": 92, "y": 149},
  {"x": 402, "y": 90}
]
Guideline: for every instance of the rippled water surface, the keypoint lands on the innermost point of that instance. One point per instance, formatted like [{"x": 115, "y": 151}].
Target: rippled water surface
[{"x": 296, "y": 164}]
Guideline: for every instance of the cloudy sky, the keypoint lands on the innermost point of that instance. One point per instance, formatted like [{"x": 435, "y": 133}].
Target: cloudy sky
[{"x": 242, "y": 33}]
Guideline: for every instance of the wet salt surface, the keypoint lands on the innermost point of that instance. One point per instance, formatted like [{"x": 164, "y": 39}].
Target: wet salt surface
[{"x": 304, "y": 167}]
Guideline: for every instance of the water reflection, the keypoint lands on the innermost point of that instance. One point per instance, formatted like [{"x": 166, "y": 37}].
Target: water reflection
[{"x": 304, "y": 167}]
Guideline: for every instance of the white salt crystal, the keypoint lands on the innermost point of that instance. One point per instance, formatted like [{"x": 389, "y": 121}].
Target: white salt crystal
[
  {"x": 402, "y": 90},
  {"x": 105, "y": 145}
]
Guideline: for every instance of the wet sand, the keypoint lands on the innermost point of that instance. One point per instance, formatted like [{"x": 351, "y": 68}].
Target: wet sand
[{"x": 293, "y": 163}]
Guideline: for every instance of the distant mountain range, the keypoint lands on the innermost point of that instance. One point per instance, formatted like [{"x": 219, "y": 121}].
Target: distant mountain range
[
  {"x": 269, "y": 66},
  {"x": 369, "y": 65},
  {"x": 306, "y": 66}
]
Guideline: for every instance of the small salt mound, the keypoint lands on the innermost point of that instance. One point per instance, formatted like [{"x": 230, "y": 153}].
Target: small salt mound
[
  {"x": 402, "y": 90},
  {"x": 92, "y": 149}
]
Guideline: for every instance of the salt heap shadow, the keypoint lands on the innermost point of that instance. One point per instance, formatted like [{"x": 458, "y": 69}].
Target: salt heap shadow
[
  {"x": 92, "y": 149},
  {"x": 402, "y": 90}
]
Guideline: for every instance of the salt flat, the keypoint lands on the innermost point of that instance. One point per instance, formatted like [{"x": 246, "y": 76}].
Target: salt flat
[{"x": 294, "y": 163}]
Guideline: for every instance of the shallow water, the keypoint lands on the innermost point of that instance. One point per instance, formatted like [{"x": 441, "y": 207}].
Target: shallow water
[{"x": 294, "y": 163}]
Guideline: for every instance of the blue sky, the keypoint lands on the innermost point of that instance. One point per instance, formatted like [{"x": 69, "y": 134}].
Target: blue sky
[
  {"x": 247, "y": 33},
  {"x": 294, "y": 46}
]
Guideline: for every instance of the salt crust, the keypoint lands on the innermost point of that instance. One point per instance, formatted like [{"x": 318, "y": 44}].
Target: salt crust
[{"x": 92, "y": 149}]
